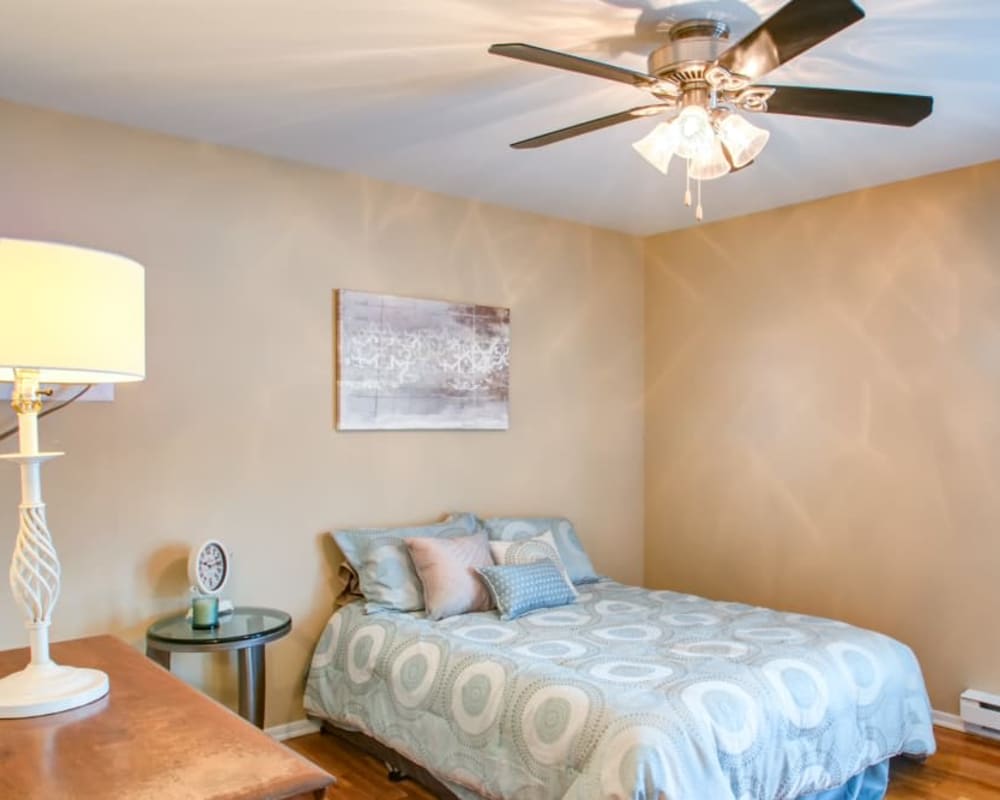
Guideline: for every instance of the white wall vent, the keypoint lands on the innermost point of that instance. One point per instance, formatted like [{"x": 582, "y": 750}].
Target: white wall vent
[{"x": 981, "y": 708}]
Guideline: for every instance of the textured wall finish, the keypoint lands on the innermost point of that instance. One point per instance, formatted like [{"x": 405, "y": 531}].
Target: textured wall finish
[
  {"x": 823, "y": 415},
  {"x": 231, "y": 435}
]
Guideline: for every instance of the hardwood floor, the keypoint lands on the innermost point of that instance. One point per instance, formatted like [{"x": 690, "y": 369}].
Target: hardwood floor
[
  {"x": 964, "y": 768},
  {"x": 359, "y": 775}
]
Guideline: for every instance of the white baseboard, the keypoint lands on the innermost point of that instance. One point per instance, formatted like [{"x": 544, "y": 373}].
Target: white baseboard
[
  {"x": 955, "y": 723},
  {"x": 290, "y": 730}
]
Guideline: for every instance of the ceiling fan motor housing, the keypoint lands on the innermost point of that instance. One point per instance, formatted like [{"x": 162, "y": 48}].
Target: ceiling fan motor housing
[{"x": 693, "y": 45}]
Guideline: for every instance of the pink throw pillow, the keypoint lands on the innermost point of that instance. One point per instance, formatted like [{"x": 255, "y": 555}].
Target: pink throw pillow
[{"x": 447, "y": 570}]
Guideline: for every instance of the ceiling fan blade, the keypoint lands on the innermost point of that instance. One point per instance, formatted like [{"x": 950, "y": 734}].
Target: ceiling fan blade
[
  {"x": 878, "y": 107},
  {"x": 553, "y": 58},
  {"x": 791, "y": 30},
  {"x": 590, "y": 125}
]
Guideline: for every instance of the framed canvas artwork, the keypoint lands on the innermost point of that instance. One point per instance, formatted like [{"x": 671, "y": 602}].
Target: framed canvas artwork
[{"x": 408, "y": 364}]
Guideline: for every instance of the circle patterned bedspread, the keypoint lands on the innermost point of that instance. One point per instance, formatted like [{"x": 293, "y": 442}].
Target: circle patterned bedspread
[{"x": 627, "y": 693}]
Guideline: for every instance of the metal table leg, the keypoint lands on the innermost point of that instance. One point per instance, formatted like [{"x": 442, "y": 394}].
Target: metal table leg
[
  {"x": 161, "y": 657},
  {"x": 252, "y": 681}
]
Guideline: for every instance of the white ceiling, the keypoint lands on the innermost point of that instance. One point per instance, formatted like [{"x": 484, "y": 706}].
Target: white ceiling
[{"x": 406, "y": 92}]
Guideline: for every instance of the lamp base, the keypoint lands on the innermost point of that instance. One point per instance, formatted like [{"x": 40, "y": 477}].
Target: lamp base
[{"x": 49, "y": 689}]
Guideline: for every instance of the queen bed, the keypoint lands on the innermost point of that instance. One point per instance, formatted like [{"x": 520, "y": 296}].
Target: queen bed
[{"x": 626, "y": 693}]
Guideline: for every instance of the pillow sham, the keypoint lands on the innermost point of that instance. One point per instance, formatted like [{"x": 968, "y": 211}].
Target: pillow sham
[
  {"x": 528, "y": 551},
  {"x": 385, "y": 572},
  {"x": 574, "y": 557},
  {"x": 520, "y": 588},
  {"x": 447, "y": 572}
]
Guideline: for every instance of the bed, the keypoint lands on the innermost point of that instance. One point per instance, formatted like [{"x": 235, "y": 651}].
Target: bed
[{"x": 627, "y": 693}]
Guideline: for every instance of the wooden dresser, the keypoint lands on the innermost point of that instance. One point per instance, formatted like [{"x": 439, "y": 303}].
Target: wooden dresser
[{"x": 153, "y": 736}]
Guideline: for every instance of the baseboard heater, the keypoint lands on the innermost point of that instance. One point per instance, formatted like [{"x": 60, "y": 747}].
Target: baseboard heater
[{"x": 981, "y": 708}]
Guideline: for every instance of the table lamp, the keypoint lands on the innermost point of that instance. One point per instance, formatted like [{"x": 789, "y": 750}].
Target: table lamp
[{"x": 67, "y": 315}]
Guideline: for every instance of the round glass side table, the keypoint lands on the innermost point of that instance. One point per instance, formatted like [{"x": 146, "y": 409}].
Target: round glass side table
[{"x": 247, "y": 629}]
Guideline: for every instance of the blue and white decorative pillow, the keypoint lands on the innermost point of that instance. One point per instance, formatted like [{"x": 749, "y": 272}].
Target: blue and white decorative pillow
[
  {"x": 528, "y": 551},
  {"x": 385, "y": 571},
  {"x": 520, "y": 588},
  {"x": 571, "y": 552}
]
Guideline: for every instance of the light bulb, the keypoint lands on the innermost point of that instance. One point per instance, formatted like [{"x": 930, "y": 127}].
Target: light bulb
[
  {"x": 694, "y": 132},
  {"x": 711, "y": 165},
  {"x": 743, "y": 140},
  {"x": 658, "y": 146}
]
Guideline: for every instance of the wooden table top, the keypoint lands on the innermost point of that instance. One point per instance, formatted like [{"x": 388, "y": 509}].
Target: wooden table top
[{"x": 152, "y": 736}]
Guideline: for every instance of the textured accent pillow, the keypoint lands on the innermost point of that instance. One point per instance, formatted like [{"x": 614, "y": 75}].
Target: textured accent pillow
[
  {"x": 520, "y": 588},
  {"x": 571, "y": 551},
  {"x": 528, "y": 551},
  {"x": 382, "y": 562},
  {"x": 447, "y": 572}
]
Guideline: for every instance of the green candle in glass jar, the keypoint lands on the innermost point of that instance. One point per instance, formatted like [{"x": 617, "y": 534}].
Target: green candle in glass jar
[{"x": 205, "y": 611}]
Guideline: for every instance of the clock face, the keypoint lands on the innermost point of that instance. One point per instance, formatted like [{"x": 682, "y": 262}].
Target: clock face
[{"x": 211, "y": 567}]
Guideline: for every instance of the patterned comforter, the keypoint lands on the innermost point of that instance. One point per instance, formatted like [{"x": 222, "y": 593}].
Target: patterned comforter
[{"x": 627, "y": 693}]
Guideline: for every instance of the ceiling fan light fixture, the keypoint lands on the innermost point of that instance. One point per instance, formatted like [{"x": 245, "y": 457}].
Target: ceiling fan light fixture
[
  {"x": 711, "y": 165},
  {"x": 658, "y": 146},
  {"x": 742, "y": 139},
  {"x": 695, "y": 136},
  {"x": 708, "y": 79}
]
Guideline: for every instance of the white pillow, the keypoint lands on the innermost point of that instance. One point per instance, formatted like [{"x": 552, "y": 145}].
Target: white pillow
[{"x": 528, "y": 551}]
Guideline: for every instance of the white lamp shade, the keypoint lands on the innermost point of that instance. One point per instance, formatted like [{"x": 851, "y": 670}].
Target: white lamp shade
[
  {"x": 694, "y": 132},
  {"x": 743, "y": 140},
  {"x": 657, "y": 146},
  {"x": 711, "y": 165},
  {"x": 75, "y": 315}
]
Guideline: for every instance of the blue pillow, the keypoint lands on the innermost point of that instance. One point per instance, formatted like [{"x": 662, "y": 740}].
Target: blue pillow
[
  {"x": 520, "y": 588},
  {"x": 574, "y": 557},
  {"x": 385, "y": 571}
]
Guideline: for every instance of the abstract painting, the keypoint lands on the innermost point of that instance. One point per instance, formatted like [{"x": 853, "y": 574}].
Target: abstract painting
[{"x": 408, "y": 364}]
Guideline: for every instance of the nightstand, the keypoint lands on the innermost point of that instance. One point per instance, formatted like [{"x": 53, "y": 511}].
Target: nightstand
[{"x": 247, "y": 630}]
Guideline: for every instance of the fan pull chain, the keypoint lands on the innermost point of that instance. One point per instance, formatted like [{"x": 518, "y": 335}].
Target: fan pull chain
[{"x": 698, "y": 212}]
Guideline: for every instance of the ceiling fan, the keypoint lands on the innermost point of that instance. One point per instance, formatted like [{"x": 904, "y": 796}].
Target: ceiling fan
[{"x": 707, "y": 79}]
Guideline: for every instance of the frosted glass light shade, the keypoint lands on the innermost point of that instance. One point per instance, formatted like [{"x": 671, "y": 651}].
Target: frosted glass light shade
[
  {"x": 694, "y": 132},
  {"x": 743, "y": 140},
  {"x": 658, "y": 146},
  {"x": 710, "y": 166},
  {"x": 75, "y": 315}
]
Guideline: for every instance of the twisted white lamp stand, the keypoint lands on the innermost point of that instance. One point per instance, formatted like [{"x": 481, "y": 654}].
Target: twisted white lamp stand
[{"x": 43, "y": 687}]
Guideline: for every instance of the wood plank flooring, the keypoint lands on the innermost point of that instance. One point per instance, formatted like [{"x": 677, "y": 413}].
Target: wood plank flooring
[
  {"x": 964, "y": 768},
  {"x": 359, "y": 775}
]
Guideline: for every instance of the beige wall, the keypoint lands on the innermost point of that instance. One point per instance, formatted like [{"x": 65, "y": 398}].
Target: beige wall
[
  {"x": 823, "y": 415},
  {"x": 231, "y": 434},
  {"x": 822, "y": 394}
]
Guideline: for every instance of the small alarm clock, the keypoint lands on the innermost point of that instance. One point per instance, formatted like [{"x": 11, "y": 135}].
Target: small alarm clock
[{"x": 208, "y": 570}]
